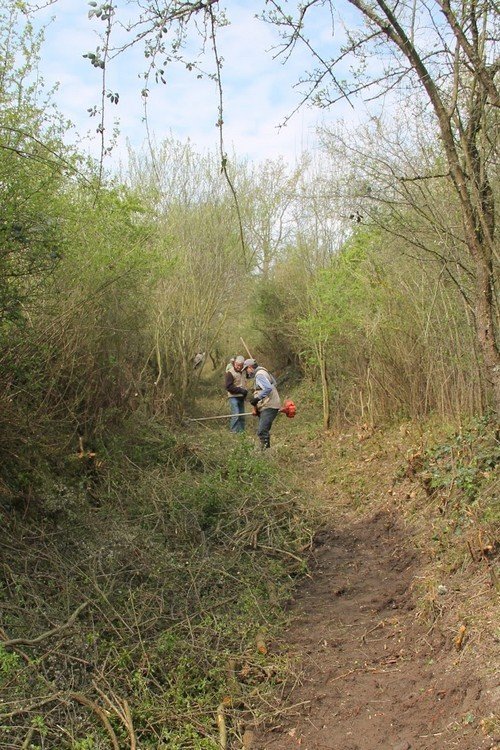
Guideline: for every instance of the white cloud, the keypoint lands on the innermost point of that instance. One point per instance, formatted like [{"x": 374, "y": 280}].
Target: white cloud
[{"x": 258, "y": 91}]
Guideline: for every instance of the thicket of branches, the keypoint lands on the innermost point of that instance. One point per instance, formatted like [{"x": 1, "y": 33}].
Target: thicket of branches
[
  {"x": 107, "y": 291},
  {"x": 441, "y": 54},
  {"x": 389, "y": 318}
]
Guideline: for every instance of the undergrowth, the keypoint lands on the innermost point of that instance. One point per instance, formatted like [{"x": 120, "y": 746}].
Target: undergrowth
[
  {"x": 140, "y": 590},
  {"x": 460, "y": 476},
  {"x": 453, "y": 493}
]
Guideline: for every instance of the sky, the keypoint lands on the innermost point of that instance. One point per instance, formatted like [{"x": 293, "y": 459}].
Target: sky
[{"x": 258, "y": 90}]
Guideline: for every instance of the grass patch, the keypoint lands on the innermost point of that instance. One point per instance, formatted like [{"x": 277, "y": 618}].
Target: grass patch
[{"x": 183, "y": 549}]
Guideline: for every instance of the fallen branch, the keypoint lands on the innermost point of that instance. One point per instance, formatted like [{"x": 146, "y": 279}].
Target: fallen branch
[
  {"x": 380, "y": 624},
  {"x": 344, "y": 674},
  {"x": 221, "y": 723},
  {"x": 277, "y": 551},
  {"x": 122, "y": 710},
  {"x": 79, "y": 698},
  {"x": 27, "y": 742},
  {"x": 127, "y": 719},
  {"x": 471, "y": 551},
  {"x": 31, "y": 706},
  {"x": 48, "y": 633}
]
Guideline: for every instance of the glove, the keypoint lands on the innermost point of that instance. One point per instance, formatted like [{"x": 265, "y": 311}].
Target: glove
[
  {"x": 255, "y": 400},
  {"x": 244, "y": 392}
]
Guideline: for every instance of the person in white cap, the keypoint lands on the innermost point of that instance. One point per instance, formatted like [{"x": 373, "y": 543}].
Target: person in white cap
[
  {"x": 235, "y": 381},
  {"x": 198, "y": 359},
  {"x": 265, "y": 402}
]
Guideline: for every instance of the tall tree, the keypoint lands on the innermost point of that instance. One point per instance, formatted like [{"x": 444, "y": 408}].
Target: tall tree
[
  {"x": 448, "y": 50},
  {"x": 270, "y": 190}
]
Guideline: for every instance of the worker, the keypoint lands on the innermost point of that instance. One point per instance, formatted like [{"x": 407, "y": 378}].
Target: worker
[
  {"x": 265, "y": 402},
  {"x": 198, "y": 360},
  {"x": 235, "y": 381}
]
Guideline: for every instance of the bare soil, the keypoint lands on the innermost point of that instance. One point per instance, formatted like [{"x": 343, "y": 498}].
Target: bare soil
[{"x": 373, "y": 675}]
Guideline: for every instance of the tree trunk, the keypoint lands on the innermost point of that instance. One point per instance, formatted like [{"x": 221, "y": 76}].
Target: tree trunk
[
  {"x": 485, "y": 330},
  {"x": 468, "y": 170},
  {"x": 325, "y": 386}
]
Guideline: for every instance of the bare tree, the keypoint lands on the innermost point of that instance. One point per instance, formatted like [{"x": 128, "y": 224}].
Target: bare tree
[
  {"x": 270, "y": 190},
  {"x": 200, "y": 262}
]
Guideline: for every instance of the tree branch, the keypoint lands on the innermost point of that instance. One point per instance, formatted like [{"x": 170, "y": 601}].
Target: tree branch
[
  {"x": 48, "y": 633},
  {"x": 480, "y": 69}
]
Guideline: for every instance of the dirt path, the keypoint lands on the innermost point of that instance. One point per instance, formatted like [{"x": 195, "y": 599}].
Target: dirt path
[{"x": 373, "y": 676}]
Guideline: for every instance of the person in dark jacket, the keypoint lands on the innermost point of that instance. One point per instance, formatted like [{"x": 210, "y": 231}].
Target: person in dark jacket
[
  {"x": 235, "y": 381},
  {"x": 265, "y": 402}
]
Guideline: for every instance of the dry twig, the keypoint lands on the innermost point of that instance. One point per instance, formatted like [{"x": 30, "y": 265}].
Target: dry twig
[
  {"x": 100, "y": 713},
  {"x": 48, "y": 633}
]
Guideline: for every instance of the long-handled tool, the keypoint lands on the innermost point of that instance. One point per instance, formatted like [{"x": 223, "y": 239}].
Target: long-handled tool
[
  {"x": 288, "y": 409},
  {"x": 246, "y": 348}
]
